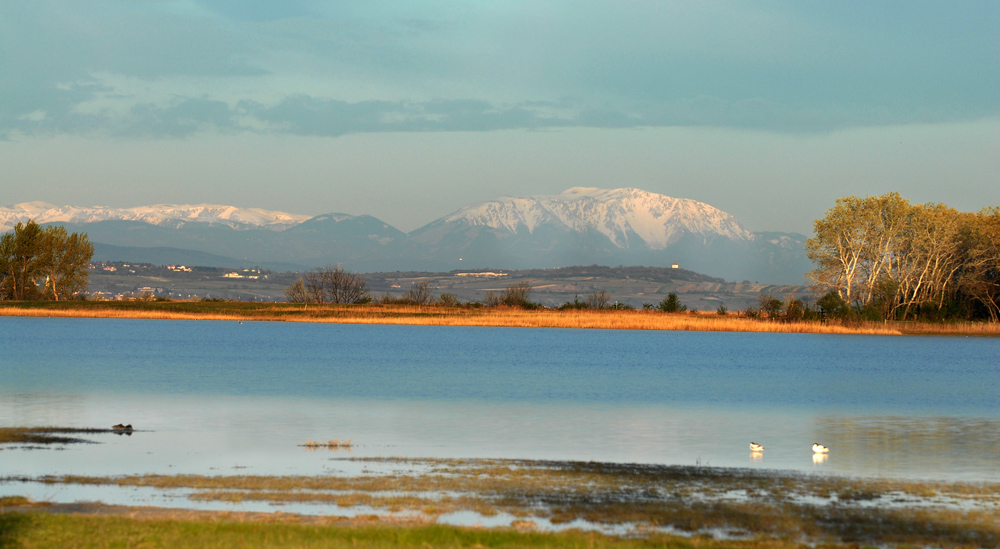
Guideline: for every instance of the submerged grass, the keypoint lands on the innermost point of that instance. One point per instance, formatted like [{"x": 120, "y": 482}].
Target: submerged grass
[
  {"x": 642, "y": 498},
  {"x": 44, "y": 435},
  {"x": 334, "y": 444}
]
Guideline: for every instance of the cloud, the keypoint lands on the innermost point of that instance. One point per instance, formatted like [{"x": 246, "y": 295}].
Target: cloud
[{"x": 170, "y": 69}]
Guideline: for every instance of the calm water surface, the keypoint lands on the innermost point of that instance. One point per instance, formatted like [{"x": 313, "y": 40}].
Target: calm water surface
[{"x": 224, "y": 398}]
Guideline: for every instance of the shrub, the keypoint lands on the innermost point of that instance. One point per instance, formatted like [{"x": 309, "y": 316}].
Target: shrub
[
  {"x": 795, "y": 310},
  {"x": 671, "y": 304},
  {"x": 833, "y": 305},
  {"x": 598, "y": 299},
  {"x": 419, "y": 294},
  {"x": 515, "y": 295},
  {"x": 770, "y": 305}
]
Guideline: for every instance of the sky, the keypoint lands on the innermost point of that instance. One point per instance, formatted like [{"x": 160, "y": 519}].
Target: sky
[{"x": 408, "y": 110}]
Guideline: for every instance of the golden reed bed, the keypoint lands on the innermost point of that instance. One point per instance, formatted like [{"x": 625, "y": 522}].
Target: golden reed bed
[{"x": 494, "y": 317}]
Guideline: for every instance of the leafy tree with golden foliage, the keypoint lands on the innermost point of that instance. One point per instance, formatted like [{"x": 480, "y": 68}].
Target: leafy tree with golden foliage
[
  {"x": 882, "y": 254},
  {"x": 37, "y": 263},
  {"x": 980, "y": 278}
]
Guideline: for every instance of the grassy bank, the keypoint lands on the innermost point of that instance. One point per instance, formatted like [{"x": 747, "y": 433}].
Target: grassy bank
[
  {"x": 43, "y": 530},
  {"x": 471, "y": 316}
]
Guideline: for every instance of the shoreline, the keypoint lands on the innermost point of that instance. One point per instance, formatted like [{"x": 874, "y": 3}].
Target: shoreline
[
  {"x": 477, "y": 316},
  {"x": 615, "y": 501}
]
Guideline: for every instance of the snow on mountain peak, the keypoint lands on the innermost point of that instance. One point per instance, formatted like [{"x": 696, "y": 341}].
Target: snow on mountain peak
[
  {"x": 619, "y": 214},
  {"x": 158, "y": 214}
]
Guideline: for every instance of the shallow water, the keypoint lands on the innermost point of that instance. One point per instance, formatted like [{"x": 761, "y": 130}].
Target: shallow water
[{"x": 213, "y": 397}]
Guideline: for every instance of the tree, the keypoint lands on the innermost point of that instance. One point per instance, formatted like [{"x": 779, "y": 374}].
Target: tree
[
  {"x": 420, "y": 293},
  {"x": 314, "y": 286},
  {"x": 515, "y": 295},
  {"x": 834, "y": 305},
  {"x": 63, "y": 262},
  {"x": 296, "y": 292},
  {"x": 770, "y": 305},
  {"x": 20, "y": 251},
  {"x": 329, "y": 285},
  {"x": 38, "y": 263},
  {"x": 598, "y": 299},
  {"x": 344, "y": 286},
  {"x": 980, "y": 275},
  {"x": 855, "y": 242},
  {"x": 671, "y": 304},
  {"x": 927, "y": 261},
  {"x": 890, "y": 259}
]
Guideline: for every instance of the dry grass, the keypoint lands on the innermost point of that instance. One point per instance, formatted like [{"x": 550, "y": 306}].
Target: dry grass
[
  {"x": 11, "y": 501},
  {"x": 949, "y": 328},
  {"x": 331, "y": 444},
  {"x": 441, "y": 316},
  {"x": 786, "y": 506}
]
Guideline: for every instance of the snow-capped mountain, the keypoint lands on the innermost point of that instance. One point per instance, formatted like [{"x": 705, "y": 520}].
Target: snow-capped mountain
[
  {"x": 627, "y": 217},
  {"x": 583, "y": 226},
  {"x": 580, "y": 226},
  {"x": 169, "y": 215}
]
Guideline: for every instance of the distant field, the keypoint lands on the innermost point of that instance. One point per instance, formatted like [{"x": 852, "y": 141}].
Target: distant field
[
  {"x": 628, "y": 285},
  {"x": 470, "y": 316}
]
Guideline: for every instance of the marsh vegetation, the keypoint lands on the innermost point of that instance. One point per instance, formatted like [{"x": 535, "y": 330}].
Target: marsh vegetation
[
  {"x": 645, "y": 500},
  {"x": 45, "y": 435},
  {"x": 501, "y": 316}
]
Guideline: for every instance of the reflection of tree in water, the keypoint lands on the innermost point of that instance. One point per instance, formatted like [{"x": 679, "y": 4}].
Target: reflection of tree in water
[{"x": 925, "y": 445}]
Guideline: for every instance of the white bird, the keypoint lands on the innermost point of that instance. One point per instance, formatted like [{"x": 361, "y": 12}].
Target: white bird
[
  {"x": 754, "y": 447},
  {"x": 820, "y": 449}
]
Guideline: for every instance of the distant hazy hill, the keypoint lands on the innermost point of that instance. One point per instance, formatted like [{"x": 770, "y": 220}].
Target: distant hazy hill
[
  {"x": 176, "y": 256},
  {"x": 580, "y": 226}
]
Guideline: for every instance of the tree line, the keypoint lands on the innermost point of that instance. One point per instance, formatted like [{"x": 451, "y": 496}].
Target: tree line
[
  {"x": 43, "y": 263},
  {"x": 882, "y": 257}
]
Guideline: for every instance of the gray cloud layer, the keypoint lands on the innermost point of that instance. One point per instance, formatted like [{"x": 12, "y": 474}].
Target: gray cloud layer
[{"x": 173, "y": 69}]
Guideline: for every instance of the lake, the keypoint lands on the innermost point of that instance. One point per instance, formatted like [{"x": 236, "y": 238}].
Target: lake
[{"x": 217, "y": 397}]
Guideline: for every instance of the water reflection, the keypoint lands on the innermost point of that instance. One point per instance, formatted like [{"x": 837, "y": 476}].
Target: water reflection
[
  {"x": 208, "y": 397},
  {"x": 266, "y": 435},
  {"x": 909, "y": 445}
]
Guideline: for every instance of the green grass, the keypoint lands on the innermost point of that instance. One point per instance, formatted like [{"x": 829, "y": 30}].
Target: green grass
[{"x": 39, "y": 530}]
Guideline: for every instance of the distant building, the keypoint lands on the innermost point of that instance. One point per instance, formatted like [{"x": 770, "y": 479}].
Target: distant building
[
  {"x": 675, "y": 266},
  {"x": 482, "y": 275}
]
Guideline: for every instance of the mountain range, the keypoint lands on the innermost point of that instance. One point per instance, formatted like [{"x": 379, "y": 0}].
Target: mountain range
[{"x": 580, "y": 226}]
